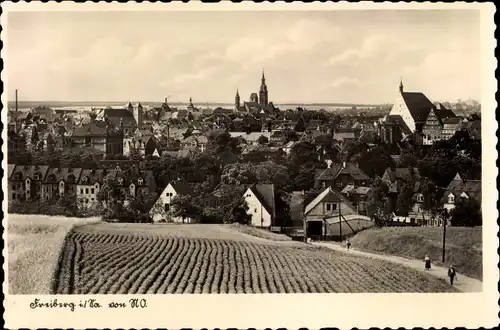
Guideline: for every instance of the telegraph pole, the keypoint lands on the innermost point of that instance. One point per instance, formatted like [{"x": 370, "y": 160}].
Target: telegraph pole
[{"x": 340, "y": 223}]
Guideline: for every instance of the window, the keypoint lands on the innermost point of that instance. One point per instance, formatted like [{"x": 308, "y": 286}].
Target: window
[
  {"x": 120, "y": 181},
  {"x": 84, "y": 179},
  {"x": 37, "y": 176},
  {"x": 451, "y": 199},
  {"x": 140, "y": 181},
  {"x": 81, "y": 191},
  {"x": 92, "y": 190},
  {"x": 86, "y": 191},
  {"x": 248, "y": 195},
  {"x": 167, "y": 207},
  {"x": 255, "y": 210},
  {"x": 331, "y": 207},
  {"x": 13, "y": 196},
  {"x": 420, "y": 198}
]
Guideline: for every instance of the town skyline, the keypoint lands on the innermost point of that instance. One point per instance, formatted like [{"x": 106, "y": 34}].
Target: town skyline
[{"x": 98, "y": 56}]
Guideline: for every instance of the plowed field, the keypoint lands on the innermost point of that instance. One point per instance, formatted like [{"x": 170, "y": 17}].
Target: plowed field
[{"x": 121, "y": 262}]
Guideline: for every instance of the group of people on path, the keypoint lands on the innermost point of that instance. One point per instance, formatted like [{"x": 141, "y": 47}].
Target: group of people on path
[{"x": 452, "y": 274}]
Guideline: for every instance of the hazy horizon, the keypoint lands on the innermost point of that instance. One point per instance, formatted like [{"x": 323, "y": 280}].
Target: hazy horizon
[{"x": 324, "y": 57}]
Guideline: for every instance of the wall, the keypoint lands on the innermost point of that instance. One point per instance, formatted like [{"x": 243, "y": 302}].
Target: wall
[
  {"x": 400, "y": 108},
  {"x": 84, "y": 195},
  {"x": 260, "y": 216},
  {"x": 166, "y": 198}
]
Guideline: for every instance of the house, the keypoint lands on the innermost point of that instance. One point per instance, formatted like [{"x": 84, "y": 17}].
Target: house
[
  {"x": 358, "y": 196},
  {"x": 461, "y": 188},
  {"x": 252, "y": 138},
  {"x": 16, "y": 142},
  {"x": 26, "y": 182},
  {"x": 89, "y": 186},
  {"x": 450, "y": 127},
  {"x": 413, "y": 107},
  {"x": 324, "y": 214},
  {"x": 339, "y": 175},
  {"x": 392, "y": 175},
  {"x": 162, "y": 210},
  {"x": 198, "y": 143},
  {"x": 60, "y": 181},
  {"x": 133, "y": 182},
  {"x": 261, "y": 205},
  {"x": 100, "y": 137},
  {"x": 433, "y": 126}
]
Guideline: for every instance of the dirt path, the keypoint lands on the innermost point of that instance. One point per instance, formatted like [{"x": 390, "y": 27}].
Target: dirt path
[{"x": 462, "y": 283}]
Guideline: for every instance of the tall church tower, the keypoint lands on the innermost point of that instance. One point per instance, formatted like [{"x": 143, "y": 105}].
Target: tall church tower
[
  {"x": 237, "y": 99},
  {"x": 263, "y": 97}
]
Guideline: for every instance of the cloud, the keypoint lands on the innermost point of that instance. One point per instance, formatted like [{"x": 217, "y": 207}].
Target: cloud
[
  {"x": 343, "y": 82},
  {"x": 378, "y": 46},
  {"x": 196, "y": 76}
]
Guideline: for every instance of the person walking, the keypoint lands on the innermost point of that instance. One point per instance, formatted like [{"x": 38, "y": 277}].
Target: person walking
[
  {"x": 427, "y": 261},
  {"x": 348, "y": 244},
  {"x": 452, "y": 274}
]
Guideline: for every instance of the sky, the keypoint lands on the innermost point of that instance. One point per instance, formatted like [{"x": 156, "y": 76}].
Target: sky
[{"x": 308, "y": 56}]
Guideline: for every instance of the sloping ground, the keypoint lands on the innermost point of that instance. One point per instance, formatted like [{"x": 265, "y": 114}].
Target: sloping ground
[
  {"x": 257, "y": 232},
  {"x": 33, "y": 245},
  {"x": 98, "y": 259},
  {"x": 463, "y": 245}
]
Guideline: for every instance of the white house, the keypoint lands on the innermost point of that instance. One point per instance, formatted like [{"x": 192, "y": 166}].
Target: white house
[
  {"x": 88, "y": 187},
  {"x": 162, "y": 210},
  {"x": 261, "y": 204}
]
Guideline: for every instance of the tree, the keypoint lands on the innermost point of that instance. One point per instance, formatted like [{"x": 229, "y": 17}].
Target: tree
[
  {"x": 186, "y": 206},
  {"x": 374, "y": 162},
  {"x": 378, "y": 207},
  {"x": 467, "y": 213}
]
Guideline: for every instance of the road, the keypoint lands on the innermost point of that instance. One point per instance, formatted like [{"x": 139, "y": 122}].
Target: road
[{"x": 462, "y": 283}]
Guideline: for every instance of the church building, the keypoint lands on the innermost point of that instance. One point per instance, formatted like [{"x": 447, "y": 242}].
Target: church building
[
  {"x": 413, "y": 107},
  {"x": 259, "y": 102}
]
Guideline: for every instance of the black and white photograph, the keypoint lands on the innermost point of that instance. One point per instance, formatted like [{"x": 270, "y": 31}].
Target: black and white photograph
[{"x": 247, "y": 153}]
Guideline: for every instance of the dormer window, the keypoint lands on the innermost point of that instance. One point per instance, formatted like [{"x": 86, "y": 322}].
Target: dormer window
[
  {"x": 464, "y": 195},
  {"x": 420, "y": 198},
  {"x": 37, "y": 176},
  {"x": 18, "y": 176},
  {"x": 118, "y": 168},
  {"x": 85, "y": 179},
  {"x": 120, "y": 181},
  {"x": 451, "y": 199},
  {"x": 52, "y": 178},
  {"x": 140, "y": 181}
]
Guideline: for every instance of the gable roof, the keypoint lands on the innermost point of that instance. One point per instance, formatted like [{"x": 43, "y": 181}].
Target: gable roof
[
  {"x": 418, "y": 104},
  {"x": 328, "y": 195},
  {"x": 182, "y": 188},
  {"x": 402, "y": 173},
  {"x": 336, "y": 169},
  {"x": 63, "y": 173},
  {"x": 471, "y": 188},
  {"x": 265, "y": 195},
  {"x": 92, "y": 175}
]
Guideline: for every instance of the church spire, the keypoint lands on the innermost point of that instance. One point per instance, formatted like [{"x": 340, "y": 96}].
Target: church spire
[
  {"x": 263, "y": 77},
  {"x": 401, "y": 85}
]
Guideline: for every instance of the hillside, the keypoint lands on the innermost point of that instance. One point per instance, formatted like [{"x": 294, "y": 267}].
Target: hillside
[
  {"x": 127, "y": 259},
  {"x": 463, "y": 245}
]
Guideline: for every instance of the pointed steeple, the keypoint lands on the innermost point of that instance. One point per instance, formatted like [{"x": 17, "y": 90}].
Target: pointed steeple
[
  {"x": 263, "y": 79},
  {"x": 401, "y": 85}
]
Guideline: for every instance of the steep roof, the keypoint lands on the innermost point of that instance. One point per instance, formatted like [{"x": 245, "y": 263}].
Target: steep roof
[
  {"x": 418, "y": 104},
  {"x": 28, "y": 171},
  {"x": 328, "y": 195},
  {"x": 400, "y": 122},
  {"x": 452, "y": 121},
  {"x": 470, "y": 187},
  {"x": 90, "y": 130},
  {"x": 92, "y": 176},
  {"x": 55, "y": 175},
  {"x": 182, "y": 188},
  {"x": 336, "y": 169},
  {"x": 402, "y": 173},
  {"x": 11, "y": 168},
  {"x": 265, "y": 195}
]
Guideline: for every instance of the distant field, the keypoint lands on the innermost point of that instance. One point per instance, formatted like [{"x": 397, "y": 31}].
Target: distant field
[
  {"x": 127, "y": 259},
  {"x": 463, "y": 245},
  {"x": 33, "y": 245}
]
